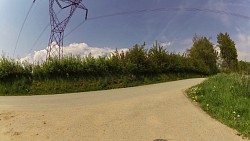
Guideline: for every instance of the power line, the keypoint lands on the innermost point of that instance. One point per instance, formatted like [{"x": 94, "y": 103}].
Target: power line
[
  {"x": 106, "y": 16},
  {"x": 161, "y": 9},
  {"x": 153, "y": 10},
  {"x": 40, "y": 35},
  {"x": 74, "y": 29},
  {"x": 19, "y": 34}
]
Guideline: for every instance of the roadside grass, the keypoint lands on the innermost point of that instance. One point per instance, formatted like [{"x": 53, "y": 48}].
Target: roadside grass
[
  {"x": 60, "y": 86},
  {"x": 225, "y": 97}
]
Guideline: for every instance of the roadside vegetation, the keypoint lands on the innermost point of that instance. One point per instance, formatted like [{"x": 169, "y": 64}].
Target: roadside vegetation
[
  {"x": 225, "y": 97},
  {"x": 137, "y": 66}
]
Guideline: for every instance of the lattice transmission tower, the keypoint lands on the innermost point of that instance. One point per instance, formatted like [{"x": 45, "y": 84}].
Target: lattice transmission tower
[{"x": 55, "y": 46}]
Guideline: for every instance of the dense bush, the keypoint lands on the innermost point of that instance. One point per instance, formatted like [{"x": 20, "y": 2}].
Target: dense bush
[
  {"x": 137, "y": 61},
  {"x": 14, "y": 76},
  {"x": 133, "y": 65},
  {"x": 244, "y": 67},
  {"x": 11, "y": 70}
]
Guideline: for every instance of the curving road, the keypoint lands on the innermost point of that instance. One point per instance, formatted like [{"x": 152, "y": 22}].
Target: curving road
[{"x": 145, "y": 113}]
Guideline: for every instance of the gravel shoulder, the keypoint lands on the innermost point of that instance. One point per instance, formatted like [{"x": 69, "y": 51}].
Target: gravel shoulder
[{"x": 144, "y": 113}]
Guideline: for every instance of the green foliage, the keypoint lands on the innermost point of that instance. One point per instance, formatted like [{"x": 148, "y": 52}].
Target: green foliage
[
  {"x": 117, "y": 63},
  {"x": 158, "y": 58},
  {"x": 11, "y": 70},
  {"x": 14, "y": 77},
  {"x": 98, "y": 83},
  {"x": 244, "y": 67},
  {"x": 203, "y": 55},
  {"x": 132, "y": 66},
  {"x": 228, "y": 52},
  {"x": 137, "y": 60},
  {"x": 226, "y": 97}
]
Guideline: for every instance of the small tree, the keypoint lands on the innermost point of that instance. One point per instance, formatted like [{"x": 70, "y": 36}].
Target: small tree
[
  {"x": 137, "y": 59},
  {"x": 158, "y": 58},
  {"x": 228, "y": 52},
  {"x": 204, "y": 55}
]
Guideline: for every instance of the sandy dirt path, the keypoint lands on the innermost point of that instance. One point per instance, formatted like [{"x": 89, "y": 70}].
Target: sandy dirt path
[{"x": 145, "y": 113}]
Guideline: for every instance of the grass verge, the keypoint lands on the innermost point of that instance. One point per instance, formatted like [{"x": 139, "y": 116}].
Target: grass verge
[
  {"x": 225, "y": 97},
  {"x": 58, "y": 86}
]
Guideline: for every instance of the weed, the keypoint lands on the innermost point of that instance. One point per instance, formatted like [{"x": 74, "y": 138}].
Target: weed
[{"x": 226, "y": 98}]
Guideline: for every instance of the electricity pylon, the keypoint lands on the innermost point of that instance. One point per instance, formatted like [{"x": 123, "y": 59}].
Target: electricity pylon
[{"x": 55, "y": 46}]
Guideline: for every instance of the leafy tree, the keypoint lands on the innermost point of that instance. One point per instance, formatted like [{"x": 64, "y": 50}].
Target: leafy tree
[
  {"x": 228, "y": 52},
  {"x": 203, "y": 55},
  {"x": 158, "y": 58},
  {"x": 137, "y": 59},
  {"x": 117, "y": 62}
]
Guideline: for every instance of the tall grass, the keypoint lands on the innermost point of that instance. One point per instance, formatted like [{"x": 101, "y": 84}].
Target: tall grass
[{"x": 226, "y": 97}]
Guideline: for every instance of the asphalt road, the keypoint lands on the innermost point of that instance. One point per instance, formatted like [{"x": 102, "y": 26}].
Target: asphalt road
[{"x": 145, "y": 113}]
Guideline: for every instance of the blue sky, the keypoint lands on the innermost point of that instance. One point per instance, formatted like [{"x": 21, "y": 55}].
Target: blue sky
[{"x": 173, "y": 28}]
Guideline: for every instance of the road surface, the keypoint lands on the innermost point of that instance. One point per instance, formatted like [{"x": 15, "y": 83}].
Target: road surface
[{"x": 159, "y": 112}]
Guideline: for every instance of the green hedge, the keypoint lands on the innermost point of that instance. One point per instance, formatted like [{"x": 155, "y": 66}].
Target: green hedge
[{"x": 137, "y": 61}]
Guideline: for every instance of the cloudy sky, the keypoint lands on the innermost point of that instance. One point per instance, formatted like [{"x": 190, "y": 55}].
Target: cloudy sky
[{"x": 173, "y": 27}]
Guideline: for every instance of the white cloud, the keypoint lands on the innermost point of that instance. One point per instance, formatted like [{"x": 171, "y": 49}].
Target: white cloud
[
  {"x": 81, "y": 49},
  {"x": 166, "y": 44}
]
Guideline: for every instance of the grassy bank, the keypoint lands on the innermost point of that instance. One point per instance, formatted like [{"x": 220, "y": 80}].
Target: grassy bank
[
  {"x": 226, "y": 97},
  {"x": 58, "y": 86}
]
